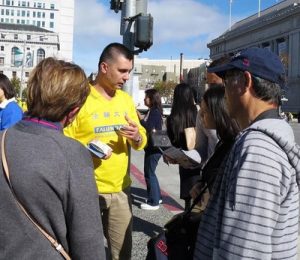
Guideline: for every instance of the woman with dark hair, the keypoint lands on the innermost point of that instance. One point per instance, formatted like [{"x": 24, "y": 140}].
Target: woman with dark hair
[
  {"x": 152, "y": 121},
  {"x": 183, "y": 115},
  {"x": 214, "y": 115},
  {"x": 10, "y": 112}
]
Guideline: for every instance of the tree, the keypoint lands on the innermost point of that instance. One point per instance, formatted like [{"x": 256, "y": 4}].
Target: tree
[
  {"x": 166, "y": 90},
  {"x": 16, "y": 82}
]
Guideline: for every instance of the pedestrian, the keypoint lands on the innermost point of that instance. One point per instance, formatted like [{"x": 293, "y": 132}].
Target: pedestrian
[
  {"x": 109, "y": 115},
  {"x": 253, "y": 210},
  {"x": 183, "y": 115},
  {"x": 214, "y": 116},
  {"x": 50, "y": 174},
  {"x": 10, "y": 112},
  {"x": 152, "y": 121},
  {"x": 207, "y": 138}
]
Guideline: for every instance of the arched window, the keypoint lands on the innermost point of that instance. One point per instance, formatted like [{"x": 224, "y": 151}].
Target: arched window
[
  {"x": 40, "y": 55},
  {"x": 16, "y": 57}
]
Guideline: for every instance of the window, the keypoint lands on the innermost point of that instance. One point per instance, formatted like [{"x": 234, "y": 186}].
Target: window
[
  {"x": 1, "y": 61},
  {"x": 2, "y": 36},
  {"x": 43, "y": 24},
  {"x": 7, "y": 11},
  {"x": 51, "y": 25},
  {"x": 28, "y": 13},
  {"x": 7, "y": 2},
  {"x": 38, "y": 24},
  {"x": 18, "y": 12},
  {"x": 2, "y": 11},
  {"x": 33, "y": 14},
  {"x": 22, "y": 21},
  {"x": 40, "y": 55},
  {"x": 16, "y": 37},
  {"x": 43, "y": 14},
  {"x": 52, "y": 6},
  {"x": 28, "y": 37},
  {"x": 51, "y": 15},
  {"x": 26, "y": 74},
  {"x": 38, "y": 14},
  {"x": 6, "y": 20},
  {"x": 23, "y": 13},
  {"x": 14, "y": 74},
  {"x": 39, "y": 5},
  {"x": 24, "y": 3},
  {"x": 12, "y": 12},
  {"x": 2, "y": 48},
  {"x": 18, "y": 21},
  {"x": 283, "y": 52}
]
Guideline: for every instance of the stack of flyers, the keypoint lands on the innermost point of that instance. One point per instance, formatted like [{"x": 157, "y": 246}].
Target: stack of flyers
[{"x": 98, "y": 148}]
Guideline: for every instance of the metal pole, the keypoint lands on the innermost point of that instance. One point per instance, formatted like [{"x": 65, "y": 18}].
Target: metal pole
[
  {"x": 128, "y": 10},
  {"x": 22, "y": 70},
  {"x": 258, "y": 8},
  {"x": 230, "y": 2},
  {"x": 180, "y": 69}
]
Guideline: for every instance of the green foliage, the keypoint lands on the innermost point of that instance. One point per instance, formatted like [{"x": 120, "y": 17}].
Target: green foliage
[
  {"x": 166, "y": 90},
  {"x": 16, "y": 82}
]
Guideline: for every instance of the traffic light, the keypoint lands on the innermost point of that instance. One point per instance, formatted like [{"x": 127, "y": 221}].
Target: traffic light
[
  {"x": 116, "y": 5},
  {"x": 143, "y": 36}
]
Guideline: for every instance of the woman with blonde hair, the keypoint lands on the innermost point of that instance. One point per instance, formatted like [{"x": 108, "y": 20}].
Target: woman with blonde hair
[{"x": 51, "y": 175}]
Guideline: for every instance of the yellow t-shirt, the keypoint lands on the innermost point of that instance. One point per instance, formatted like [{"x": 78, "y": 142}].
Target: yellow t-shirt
[{"x": 101, "y": 118}]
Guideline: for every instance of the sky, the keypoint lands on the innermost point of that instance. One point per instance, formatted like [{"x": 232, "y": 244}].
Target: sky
[{"x": 179, "y": 26}]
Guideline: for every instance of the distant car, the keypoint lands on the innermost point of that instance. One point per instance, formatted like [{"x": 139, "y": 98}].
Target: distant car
[{"x": 166, "y": 109}]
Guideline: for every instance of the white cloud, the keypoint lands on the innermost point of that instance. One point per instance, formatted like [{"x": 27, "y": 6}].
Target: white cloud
[
  {"x": 179, "y": 26},
  {"x": 180, "y": 20}
]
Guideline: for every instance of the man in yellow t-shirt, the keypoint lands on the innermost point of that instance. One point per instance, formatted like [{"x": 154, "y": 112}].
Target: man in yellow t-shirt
[{"x": 109, "y": 115}]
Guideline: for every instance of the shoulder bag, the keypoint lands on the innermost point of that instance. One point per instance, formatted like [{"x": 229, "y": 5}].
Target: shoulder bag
[
  {"x": 160, "y": 139},
  {"x": 53, "y": 242}
]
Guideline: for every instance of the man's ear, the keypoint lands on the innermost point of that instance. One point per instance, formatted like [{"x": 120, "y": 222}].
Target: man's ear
[
  {"x": 103, "y": 67},
  {"x": 248, "y": 79}
]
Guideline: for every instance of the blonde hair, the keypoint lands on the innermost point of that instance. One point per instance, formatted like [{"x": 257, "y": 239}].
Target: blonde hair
[{"x": 54, "y": 88}]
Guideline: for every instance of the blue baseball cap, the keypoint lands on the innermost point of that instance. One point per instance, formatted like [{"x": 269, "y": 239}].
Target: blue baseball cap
[{"x": 258, "y": 61}]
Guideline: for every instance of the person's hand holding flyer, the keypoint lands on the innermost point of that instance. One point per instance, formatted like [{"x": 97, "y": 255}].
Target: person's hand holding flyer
[{"x": 99, "y": 149}]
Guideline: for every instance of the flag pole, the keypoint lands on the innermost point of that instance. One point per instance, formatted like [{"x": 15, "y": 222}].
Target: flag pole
[
  {"x": 258, "y": 8},
  {"x": 230, "y": 2}
]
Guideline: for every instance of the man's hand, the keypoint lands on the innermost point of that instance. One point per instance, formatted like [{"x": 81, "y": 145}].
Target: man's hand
[{"x": 130, "y": 131}]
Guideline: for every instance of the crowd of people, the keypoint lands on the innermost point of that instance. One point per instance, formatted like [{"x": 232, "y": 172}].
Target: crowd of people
[{"x": 250, "y": 161}]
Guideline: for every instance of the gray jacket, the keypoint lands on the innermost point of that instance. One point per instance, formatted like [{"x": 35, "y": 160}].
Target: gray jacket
[
  {"x": 53, "y": 178},
  {"x": 254, "y": 208}
]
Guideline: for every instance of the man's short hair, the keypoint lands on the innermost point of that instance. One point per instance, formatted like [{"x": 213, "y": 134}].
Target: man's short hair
[
  {"x": 55, "y": 87},
  {"x": 113, "y": 50}
]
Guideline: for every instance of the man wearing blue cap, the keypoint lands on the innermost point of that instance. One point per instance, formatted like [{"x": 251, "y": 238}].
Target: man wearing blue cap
[{"x": 254, "y": 207}]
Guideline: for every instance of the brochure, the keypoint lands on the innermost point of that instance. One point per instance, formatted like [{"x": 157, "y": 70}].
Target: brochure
[
  {"x": 98, "y": 148},
  {"x": 186, "y": 159}
]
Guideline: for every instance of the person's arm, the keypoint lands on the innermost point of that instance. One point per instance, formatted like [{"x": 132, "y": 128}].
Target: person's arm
[
  {"x": 11, "y": 115},
  {"x": 256, "y": 189},
  {"x": 84, "y": 224}
]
